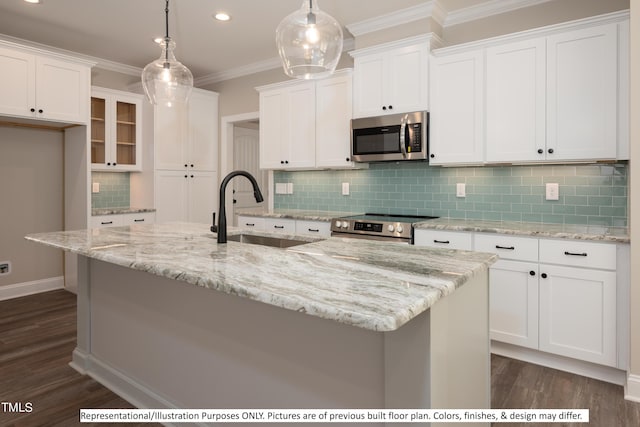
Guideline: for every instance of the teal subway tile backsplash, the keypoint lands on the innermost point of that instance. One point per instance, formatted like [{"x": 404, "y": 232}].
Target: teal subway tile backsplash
[
  {"x": 114, "y": 190},
  {"x": 589, "y": 194}
]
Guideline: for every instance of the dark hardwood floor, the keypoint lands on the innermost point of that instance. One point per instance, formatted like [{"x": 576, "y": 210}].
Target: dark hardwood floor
[{"x": 37, "y": 336}]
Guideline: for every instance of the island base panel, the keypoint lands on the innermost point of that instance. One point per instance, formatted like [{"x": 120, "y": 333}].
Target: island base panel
[{"x": 164, "y": 343}]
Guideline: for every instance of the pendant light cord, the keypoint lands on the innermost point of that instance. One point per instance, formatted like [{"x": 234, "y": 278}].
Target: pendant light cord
[{"x": 166, "y": 38}]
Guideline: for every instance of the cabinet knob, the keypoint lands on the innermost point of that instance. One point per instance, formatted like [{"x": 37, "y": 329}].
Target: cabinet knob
[
  {"x": 286, "y": 162},
  {"x": 33, "y": 110},
  {"x": 114, "y": 164},
  {"x": 384, "y": 107},
  {"x": 108, "y": 163},
  {"x": 347, "y": 159},
  {"x": 532, "y": 273},
  {"x": 432, "y": 156},
  {"x": 40, "y": 111},
  {"x": 191, "y": 164},
  {"x": 540, "y": 151},
  {"x": 191, "y": 176},
  {"x": 186, "y": 176},
  {"x": 186, "y": 165},
  {"x": 282, "y": 162},
  {"x": 390, "y": 107},
  {"x": 550, "y": 150},
  {"x": 543, "y": 275}
]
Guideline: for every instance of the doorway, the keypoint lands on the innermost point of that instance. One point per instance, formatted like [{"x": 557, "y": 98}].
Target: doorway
[{"x": 240, "y": 149}]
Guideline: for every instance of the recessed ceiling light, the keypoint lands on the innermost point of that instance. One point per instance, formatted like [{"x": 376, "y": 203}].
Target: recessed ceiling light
[
  {"x": 33, "y": 1},
  {"x": 222, "y": 16}
]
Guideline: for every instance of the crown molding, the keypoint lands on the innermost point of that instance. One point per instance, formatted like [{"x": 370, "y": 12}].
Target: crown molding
[
  {"x": 430, "y": 9},
  {"x": 486, "y": 9},
  {"x": 256, "y": 67}
]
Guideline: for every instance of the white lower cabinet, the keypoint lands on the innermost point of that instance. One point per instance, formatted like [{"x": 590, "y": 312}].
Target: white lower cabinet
[
  {"x": 444, "y": 239},
  {"x": 116, "y": 220},
  {"x": 285, "y": 226},
  {"x": 185, "y": 196},
  {"x": 513, "y": 299},
  {"x": 558, "y": 296}
]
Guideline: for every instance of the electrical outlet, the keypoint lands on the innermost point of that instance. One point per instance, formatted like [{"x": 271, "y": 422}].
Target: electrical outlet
[
  {"x": 289, "y": 187},
  {"x": 461, "y": 189},
  {"x": 281, "y": 188},
  {"x": 345, "y": 188},
  {"x": 95, "y": 188},
  {"x": 5, "y": 268},
  {"x": 552, "y": 191}
]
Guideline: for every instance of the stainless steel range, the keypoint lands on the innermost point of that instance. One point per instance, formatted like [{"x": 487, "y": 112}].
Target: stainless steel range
[{"x": 377, "y": 226}]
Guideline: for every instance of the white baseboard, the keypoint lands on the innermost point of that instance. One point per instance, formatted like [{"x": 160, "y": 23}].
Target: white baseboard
[
  {"x": 578, "y": 367},
  {"x": 632, "y": 388},
  {"x": 124, "y": 386},
  {"x": 29, "y": 288}
]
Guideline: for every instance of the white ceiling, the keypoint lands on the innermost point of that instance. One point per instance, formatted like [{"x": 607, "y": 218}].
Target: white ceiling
[{"x": 122, "y": 31}]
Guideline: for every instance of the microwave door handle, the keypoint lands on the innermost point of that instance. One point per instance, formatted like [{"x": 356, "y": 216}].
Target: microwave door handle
[{"x": 403, "y": 135}]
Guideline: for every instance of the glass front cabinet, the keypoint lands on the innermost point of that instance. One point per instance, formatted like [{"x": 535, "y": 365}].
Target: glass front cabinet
[{"x": 116, "y": 130}]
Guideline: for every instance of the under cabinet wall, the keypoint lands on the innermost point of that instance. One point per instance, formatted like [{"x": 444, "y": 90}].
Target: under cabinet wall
[{"x": 31, "y": 201}]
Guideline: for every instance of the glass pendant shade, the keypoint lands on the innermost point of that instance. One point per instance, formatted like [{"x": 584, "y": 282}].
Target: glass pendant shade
[
  {"x": 309, "y": 42},
  {"x": 166, "y": 81}
]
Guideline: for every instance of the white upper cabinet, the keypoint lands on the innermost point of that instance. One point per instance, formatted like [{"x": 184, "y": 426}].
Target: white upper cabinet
[
  {"x": 287, "y": 126},
  {"x": 516, "y": 101},
  {"x": 582, "y": 73},
  {"x": 43, "y": 88},
  {"x": 306, "y": 124},
  {"x": 333, "y": 121},
  {"x": 391, "y": 78},
  {"x": 456, "y": 118},
  {"x": 556, "y": 94}
]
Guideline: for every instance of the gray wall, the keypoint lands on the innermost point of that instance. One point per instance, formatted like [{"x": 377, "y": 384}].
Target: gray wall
[{"x": 31, "y": 200}]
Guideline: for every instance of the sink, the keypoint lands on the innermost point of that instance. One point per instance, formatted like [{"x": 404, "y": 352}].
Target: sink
[{"x": 275, "y": 242}]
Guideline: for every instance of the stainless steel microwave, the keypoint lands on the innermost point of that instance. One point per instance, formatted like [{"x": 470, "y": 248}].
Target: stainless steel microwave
[{"x": 390, "y": 138}]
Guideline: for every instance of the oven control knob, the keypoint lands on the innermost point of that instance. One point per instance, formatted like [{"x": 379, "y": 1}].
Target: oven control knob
[
  {"x": 390, "y": 227},
  {"x": 345, "y": 224},
  {"x": 338, "y": 224},
  {"x": 399, "y": 228}
]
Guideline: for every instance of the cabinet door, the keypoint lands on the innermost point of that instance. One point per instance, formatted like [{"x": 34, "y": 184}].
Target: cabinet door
[
  {"x": 202, "y": 198},
  {"x": 333, "y": 122},
  {"x": 408, "y": 79},
  {"x": 251, "y": 223},
  {"x": 99, "y": 131},
  {"x": 171, "y": 195},
  {"x": 127, "y": 133},
  {"x": 17, "y": 86},
  {"x": 203, "y": 132},
  {"x": 456, "y": 128},
  {"x": 516, "y": 101},
  {"x": 578, "y": 313},
  {"x": 513, "y": 292},
  {"x": 277, "y": 225},
  {"x": 170, "y": 137},
  {"x": 273, "y": 130},
  {"x": 62, "y": 91},
  {"x": 368, "y": 81},
  {"x": 444, "y": 239},
  {"x": 582, "y": 92},
  {"x": 300, "y": 149}
]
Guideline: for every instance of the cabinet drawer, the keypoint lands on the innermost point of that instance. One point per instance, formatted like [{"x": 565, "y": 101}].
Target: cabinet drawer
[
  {"x": 102, "y": 221},
  {"x": 139, "y": 218},
  {"x": 251, "y": 222},
  {"x": 313, "y": 228},
  {"x": 578, "y": 253},
  {"x": 287, "y": 226},
  {"x": 508, "y": 247},
  {"x": 443, "y": 239}
]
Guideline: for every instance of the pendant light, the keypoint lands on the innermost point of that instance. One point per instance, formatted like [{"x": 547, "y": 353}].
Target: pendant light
[
  {"x": 166, "y": 81},
  {"x": 309, "y": 42}
]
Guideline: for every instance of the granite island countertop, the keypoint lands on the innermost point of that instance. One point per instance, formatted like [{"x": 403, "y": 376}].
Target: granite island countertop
[
  {"x": 119, "y": 211},
  {"x": 368, "y": 284}
]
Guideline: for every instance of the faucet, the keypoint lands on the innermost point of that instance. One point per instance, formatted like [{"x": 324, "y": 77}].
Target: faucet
[{"x": 221, "y": 228}]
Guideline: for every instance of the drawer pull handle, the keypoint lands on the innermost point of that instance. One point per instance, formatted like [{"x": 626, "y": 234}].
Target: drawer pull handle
[
  {"x": 575, "y": 254},
  {"x": 279, "y": 226},
  {"x": 248, "y": 224},
  {"x": 510, "y": 248},
  {"x": 445, "y": 242},
  {"x": 106, "y": 222},
  {"x": 314, "y": 230},
  {"x": 138, "y": 220}
]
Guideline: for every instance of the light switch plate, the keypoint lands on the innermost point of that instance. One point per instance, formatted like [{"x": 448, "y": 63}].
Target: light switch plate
[
  {"x": 95, "y": 187},
  {"x": 461, "y": 189},
  {"x": 553, "y": 191},
  {"x": 281, "y": 188}
]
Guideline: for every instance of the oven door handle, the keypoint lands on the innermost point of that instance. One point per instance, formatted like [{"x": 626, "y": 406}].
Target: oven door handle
[{"x": 403, "y": 135}]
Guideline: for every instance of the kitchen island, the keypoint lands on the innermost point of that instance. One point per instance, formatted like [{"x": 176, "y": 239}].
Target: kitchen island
[{"x": 169, "y": 318}]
